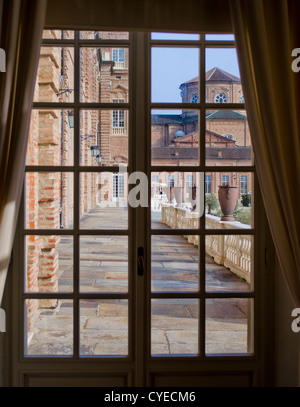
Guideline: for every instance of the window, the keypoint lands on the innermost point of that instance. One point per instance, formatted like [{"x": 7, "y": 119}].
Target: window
[
  {"x": 118, "y": 55},
  {"x": 118, "y": 119},
  {"x": 225, "y": 179},
  {"x": 171, "y": 181},
  {"x": 195, "y": 99},
  {"x": 208, "y": 184},
  {"x": 244, "y": 184},
  {"x": 229, "y": 136},
  {"x": 118, "y": 186},
  {"x": 221, "y": 98},
  {"x": 199, "y": 271}
]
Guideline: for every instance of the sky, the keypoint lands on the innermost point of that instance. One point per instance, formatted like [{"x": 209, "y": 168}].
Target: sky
[{"x": 170, "y": 67}]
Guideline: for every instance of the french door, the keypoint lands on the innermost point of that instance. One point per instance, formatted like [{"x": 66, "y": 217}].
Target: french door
[{"x": 122, "y": 282}]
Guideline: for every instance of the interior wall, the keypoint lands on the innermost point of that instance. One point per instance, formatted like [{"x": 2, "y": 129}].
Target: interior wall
[{"x": 287, "y": 342}]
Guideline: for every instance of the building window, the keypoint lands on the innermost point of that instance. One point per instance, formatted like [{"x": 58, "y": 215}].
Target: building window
[
  {"x": 195, "y": 99},
  {"x": 244, "y": 184},
  {"x": 188, "y": 182},
  {"x": 118, "y": 119},
  {"x": 208, "y": 184},
  {"x": 171, "y": 181},
  {"x": 118, "y": 185},
  {"x": 229, "y": 136},
  {"x": 118, "y": 56},
  {"x": 225, "y": 179},
  {"x": 221, "y": 98}
]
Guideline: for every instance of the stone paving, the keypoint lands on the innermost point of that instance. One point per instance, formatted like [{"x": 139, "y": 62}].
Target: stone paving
[{"x": 103, "y": 323}]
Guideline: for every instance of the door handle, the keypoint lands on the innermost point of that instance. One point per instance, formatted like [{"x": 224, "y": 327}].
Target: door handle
[{"x": 140, "y": 261}]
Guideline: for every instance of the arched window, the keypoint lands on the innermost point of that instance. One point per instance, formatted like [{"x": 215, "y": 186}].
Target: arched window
[
  {"x": 195, "y": 99},
  {"x": 221, "y": 98}
]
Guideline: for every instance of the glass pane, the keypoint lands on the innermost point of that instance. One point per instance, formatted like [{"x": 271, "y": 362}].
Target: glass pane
[
  {"x": 229, "y": 201},
  {"x": 104, "y": 137},
  {"x": 174, "y": 36},
  {"x": 229, "y": 262},
  {"x": 229, "y": 326},
  {"x": 104, "y": 35},
  {"x": 103, "y": 263},
  {"x": 174, "y": 72},
  {"x": 223, "y": 83},
  {"x": 171, "y": 320},
  {"x": 227, "y": 138},
  {"x": 48, "y": 327},
  {"x": 219, "y": 37},
  {"x": 104, "y": 74},
  {"x": 104, "y": 200},
  {"x": 55, "y": 78},
  {"x": 49, "y": 263},
  {"x": 103, "y": 327},
  {"x": 58, "y": 34},
  {"x": 51, "y": 138},
  {"x": 177, "y": 200},
  {"x": 49, "y": 200},
  {"x": 174, "y": 263},
  {"x": 175, "y": 137}
]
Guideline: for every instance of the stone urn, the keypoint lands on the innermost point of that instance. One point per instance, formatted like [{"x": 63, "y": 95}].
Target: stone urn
[
  {"x": 178, "y": 196},
  {"x": 172, "y": 194},
  {"x": 228, "y": 197}
]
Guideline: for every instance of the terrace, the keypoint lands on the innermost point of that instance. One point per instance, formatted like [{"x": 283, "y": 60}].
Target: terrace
[{"x": 174, "y": 264}]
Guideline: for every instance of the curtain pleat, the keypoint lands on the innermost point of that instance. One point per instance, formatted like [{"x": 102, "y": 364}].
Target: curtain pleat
[
  {"x": 266, "y": 32},
  {"x": 22, "y": 22}
]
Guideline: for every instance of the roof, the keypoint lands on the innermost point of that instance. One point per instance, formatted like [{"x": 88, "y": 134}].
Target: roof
[
  {"x": 229, "y": 153},
  {"x": 216, "y": 75},
  {"x": 226, "y": 114},
  {"x": 166, "y": 119},
  {"x": 182, "y": 119},
  {"x": 194, "y": 137}
]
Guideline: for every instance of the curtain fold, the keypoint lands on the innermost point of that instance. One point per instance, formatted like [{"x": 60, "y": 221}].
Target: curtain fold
[
  {"x": 266, "y": 32},
  {"x": 21, "y": 23}
]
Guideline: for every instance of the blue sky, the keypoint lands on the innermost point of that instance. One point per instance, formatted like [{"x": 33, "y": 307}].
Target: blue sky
[{"x": 172, "y": 66}]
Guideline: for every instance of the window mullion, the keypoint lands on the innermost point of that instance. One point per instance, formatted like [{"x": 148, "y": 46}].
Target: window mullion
[{"x": 76, "y": 215}]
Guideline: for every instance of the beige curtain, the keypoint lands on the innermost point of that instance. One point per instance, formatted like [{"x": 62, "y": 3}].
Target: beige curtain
[
  {"x": 21, "y": 24},
  {"x": 266, "y": 33}
]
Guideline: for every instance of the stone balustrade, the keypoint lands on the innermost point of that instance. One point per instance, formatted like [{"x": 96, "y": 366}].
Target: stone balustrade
[{"x": 232, "y": 251}]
